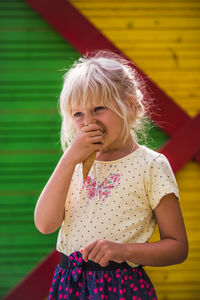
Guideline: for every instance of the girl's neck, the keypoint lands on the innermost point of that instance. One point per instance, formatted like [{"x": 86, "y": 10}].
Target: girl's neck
[{"x": 114, "y": 154}]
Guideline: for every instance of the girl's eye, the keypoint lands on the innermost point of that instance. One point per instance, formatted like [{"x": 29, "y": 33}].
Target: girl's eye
[
  {"x": 98, "y": 108},
  {"x": 78, "y": 114}
]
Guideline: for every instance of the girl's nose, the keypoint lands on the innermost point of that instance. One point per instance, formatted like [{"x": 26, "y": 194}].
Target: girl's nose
[{"x": 89, "y": 119}]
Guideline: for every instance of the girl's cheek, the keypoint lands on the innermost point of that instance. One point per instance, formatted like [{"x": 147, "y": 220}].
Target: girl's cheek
[{"x": 77, "y": 124}]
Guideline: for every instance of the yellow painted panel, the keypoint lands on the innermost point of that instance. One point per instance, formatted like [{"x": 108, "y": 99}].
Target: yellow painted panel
[
  {"x": 169, "y": 61},
  {"x": 175, "y": 75},
  {"x": 152, "y": 37},
  {"x": 103, "y": 13},
  {"x": 160, "y": 44},
  {"x": 126, "y": 5},
  {"x": 149, "y": 23}
]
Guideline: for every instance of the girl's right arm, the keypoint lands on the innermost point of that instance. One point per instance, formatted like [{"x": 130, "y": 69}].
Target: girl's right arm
[{"x": 49, "y": 211}]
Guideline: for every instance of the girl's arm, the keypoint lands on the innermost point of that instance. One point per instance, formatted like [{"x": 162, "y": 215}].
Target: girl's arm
[
  {"x": 49, "y": 211},
  {"x": 173, "y": 246}
]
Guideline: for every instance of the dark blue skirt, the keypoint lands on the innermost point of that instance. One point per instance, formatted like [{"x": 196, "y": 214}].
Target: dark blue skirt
[{"x": 74, "y": 279}]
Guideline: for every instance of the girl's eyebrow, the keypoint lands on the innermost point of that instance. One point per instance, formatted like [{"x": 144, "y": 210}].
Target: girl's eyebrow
[
  {"x": 76, "y": 109},
  {"x": 83, "y": 108}
]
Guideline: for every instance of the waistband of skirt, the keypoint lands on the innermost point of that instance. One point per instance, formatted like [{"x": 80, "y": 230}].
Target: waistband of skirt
[{"x": 92, "y": 266}]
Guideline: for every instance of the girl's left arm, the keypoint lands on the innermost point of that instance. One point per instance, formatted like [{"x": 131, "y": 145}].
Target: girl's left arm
[{"x": 173, "y": 246}]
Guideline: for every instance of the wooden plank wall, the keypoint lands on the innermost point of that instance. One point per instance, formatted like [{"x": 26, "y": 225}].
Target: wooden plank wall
[{"x": 163, "y": 39}]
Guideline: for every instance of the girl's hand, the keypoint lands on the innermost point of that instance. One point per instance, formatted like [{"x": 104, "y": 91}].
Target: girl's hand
[
  {"x": 88, "y": 140},
  {"x": 102, "y": 251}
]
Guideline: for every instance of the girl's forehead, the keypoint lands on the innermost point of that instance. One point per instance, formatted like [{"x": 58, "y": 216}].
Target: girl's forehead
[{"x": 86, "y": 107}]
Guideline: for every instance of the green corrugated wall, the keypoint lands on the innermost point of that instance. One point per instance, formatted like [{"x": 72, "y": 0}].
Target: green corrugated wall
[{"x": 32, "y": 58}]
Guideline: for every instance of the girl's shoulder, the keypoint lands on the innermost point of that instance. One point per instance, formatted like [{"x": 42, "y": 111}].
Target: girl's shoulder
[
  {"x": 157, "y": 164},
  {"x": 149, "y": 154},
  {"x": 154, "y": 159}
]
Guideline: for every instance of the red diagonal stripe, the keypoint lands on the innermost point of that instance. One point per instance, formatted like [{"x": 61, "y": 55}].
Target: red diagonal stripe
[
  {"x": 184, "y": 144},
  {"x": 76, "y": 29},
  {"x": 36, "y": 285}
]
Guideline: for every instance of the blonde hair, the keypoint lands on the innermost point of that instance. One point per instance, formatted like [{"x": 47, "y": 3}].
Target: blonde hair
[{"x": 107, "y": 76}]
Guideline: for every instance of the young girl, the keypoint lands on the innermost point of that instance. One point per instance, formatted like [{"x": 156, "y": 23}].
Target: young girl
[{"x": 107, "y": 220}]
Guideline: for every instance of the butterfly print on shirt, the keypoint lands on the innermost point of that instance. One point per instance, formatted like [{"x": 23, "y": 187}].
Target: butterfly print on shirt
[{"x": 101, "y": 191}]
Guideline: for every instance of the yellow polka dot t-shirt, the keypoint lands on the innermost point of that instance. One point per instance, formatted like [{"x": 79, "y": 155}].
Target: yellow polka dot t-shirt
[{"x": 117, "y": 200}]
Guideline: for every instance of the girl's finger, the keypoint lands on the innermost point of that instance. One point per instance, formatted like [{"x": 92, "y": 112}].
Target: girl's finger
[
  {"x": 87, "y": 250},
  {"x": 99, "y": 256},
  {"x": 95, "y": 133},
  {"x": 103, "y": 262},
  {"x": 97, "y": 139},
  {"x": 95, "y": 253}
]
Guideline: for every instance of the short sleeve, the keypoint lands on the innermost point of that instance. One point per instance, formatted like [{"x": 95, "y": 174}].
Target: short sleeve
[{"x": 161, "y": 180}]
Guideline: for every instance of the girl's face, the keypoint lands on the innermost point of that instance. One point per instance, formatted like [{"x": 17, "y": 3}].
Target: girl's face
[{"x": 111, "y": 123}]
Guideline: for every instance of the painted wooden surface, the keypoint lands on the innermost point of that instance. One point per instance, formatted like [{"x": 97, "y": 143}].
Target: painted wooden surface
[
  {"x": 31, "y": 63},
  {"x": 163, "y": 39}
]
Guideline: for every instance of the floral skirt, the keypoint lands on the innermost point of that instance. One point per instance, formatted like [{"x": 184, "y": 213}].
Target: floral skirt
[{"x": 75, "y": 279}]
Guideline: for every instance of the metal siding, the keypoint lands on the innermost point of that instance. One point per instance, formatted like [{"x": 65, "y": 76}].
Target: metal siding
[{"x": 31, "y": 58}]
